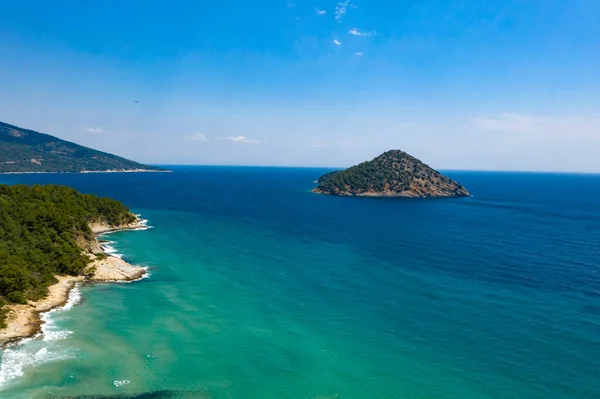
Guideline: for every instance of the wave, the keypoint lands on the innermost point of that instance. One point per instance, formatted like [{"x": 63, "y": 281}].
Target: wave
[
  {"x": 143, "y": 223},
  {"x": 50, "y": 331},
  {"x": 40, "y": 349},
  {"x": 145, "y": 276},
  {"x": 16, "y": 360},
  {"x": 45, "y": 347},
  {"x": 107, "y": 247}
]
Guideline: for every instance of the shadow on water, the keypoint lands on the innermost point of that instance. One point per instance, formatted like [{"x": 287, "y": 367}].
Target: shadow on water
[{"x": 144, "y": 395}]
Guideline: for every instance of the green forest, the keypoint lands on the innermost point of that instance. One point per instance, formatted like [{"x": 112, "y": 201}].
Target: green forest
[
  {"x": 395, "y": 169},
  {"x": 23, "y": 150},
  {"x": 394, "y": 172},
  {"x": 39, "y": 230}
]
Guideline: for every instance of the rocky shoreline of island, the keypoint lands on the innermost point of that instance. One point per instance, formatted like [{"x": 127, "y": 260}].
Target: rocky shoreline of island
[
  {"x": 24, "y": 320},
  {"x": 394, "y": 194}
]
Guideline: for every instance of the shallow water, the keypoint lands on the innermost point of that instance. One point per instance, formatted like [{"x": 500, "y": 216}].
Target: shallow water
[{"x": 260, "y": 289}]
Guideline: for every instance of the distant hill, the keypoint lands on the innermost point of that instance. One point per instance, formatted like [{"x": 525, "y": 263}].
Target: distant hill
[
  {"x": 23, "y": 150},
  {"x": 392, "y": 174}
]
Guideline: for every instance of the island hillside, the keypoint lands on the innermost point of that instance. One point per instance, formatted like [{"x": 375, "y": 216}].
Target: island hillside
[
  {"x": 392, "y": 174},
  {"x": 46, "y": 237},
  {"x": 23, "y": 151}
]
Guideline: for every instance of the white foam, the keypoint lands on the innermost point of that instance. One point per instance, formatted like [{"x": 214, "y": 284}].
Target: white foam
[
  {"x": 34, "y": 351},
  {"x": 74, "y": 299},
  {"x": 27, "y": 354},
  {"x": 45, "y": 347},
  {"x": 145, "y": 276},
  {"x": 110, "y": 250},
  {"x": 107, "y": 246},
  {"x": 143, "y": 223},
  {"x": 50, "y": 332},
  {"x": 142, "y": 228}
]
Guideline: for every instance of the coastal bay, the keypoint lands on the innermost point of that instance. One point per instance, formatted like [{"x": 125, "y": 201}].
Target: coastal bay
[
  {"x": 23, "y": 320},
  {"x": 259, "y": 288}
]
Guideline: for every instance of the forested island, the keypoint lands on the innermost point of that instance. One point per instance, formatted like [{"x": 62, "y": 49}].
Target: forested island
[
  {"x": 47, "y": 236},
  {"x": 27, "y": 151},
  {"x": 392, "y": 174}
]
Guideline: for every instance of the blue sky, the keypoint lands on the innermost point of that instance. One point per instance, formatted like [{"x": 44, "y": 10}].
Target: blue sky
[{"x": 500, "y": 85}]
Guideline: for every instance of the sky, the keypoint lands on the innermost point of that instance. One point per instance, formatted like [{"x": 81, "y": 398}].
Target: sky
[{"x": 481, "y": 85}]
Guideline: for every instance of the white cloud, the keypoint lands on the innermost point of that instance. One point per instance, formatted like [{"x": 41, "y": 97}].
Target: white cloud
[
  {"x": 95, "y": 130},
  {"x": 321, "y": 12},
  {"x": 337, "y": 42},
  {"x": 241, "y": 139},
  {"x": 340, "y": 9},
  {"x": 544, "y": 125},
  {"x": 356, "y": 32},
  {"x": 358, "y": 54},
  {"x": 196, "y": 137}
]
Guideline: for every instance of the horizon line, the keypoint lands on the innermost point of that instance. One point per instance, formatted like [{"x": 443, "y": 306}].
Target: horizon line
[{"x": 346, "y": 167}]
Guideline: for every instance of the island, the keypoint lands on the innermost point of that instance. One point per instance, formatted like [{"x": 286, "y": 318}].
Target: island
[
  {"x": 27, "y": 151},
  {"x": 48, "y": 243},
  {"x": 392, "y": 174}
]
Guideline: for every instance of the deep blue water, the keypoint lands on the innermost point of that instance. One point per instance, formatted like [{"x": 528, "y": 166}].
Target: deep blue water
[{"x": 260, "y": 288}]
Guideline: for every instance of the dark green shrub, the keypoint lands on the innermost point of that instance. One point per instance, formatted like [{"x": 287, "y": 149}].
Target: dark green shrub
[{"x": 17, "y": 297}]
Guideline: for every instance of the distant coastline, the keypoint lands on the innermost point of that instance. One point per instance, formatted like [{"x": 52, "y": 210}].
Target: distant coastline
[
  {"x": 88, "y": 171},
  {"x": 24, "y": 321},
  {"x": 27, "y": 151}
]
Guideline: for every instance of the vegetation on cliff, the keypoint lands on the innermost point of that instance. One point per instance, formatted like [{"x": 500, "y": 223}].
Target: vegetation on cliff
[
  {"x": 23, "y": 150},
  {"x": 41, "y": 228},
  {"x": 394, "y": 173}
]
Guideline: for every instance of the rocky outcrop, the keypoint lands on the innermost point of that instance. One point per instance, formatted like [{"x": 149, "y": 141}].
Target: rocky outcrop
[{"x": 114, "y": 269}]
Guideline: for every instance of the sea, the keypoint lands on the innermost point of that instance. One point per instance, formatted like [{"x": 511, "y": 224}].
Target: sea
[{"x": 258, "y": 288}]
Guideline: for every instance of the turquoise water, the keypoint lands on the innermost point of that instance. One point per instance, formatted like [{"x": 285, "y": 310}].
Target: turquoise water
[{"x": 260, "y": 289}]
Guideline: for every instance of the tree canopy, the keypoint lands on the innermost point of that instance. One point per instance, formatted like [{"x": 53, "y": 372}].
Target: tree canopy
[
  {"x": 23, "y": 150},
  {"x": 40, "y": 227},
  {"x": 393, "y": 173}
]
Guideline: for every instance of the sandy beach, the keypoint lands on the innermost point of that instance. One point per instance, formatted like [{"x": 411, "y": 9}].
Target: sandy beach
[{"x": 24, "y": 321}]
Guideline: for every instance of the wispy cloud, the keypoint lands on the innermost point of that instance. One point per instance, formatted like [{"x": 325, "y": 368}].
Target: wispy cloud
[
  {"x": 359, "y": 54},
  {"x": 95, "y": 130},
  {"x": 340, "y": 9},
  {"x": 241, "y": 139},
  {"x": 337, "y": 42},
  {"x": 321, "y": 12},
  {"x": 543, "y": 125},
  {"x": 356, "y": 32},
  {"x": 196, "y": 137}
]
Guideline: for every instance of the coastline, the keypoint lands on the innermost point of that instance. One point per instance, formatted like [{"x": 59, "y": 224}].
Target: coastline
[
  {"x": 89, "y": 171},
  {"x": 388, "y": 194},
  {"x": 24, "y": 321}
]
